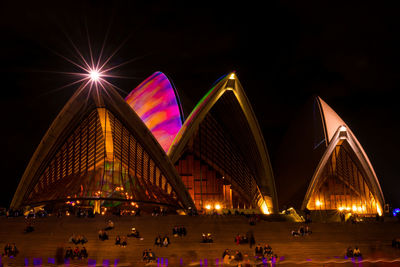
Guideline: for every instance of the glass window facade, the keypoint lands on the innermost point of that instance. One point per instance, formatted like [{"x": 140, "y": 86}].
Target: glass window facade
[{"x": 102, "y": 159}]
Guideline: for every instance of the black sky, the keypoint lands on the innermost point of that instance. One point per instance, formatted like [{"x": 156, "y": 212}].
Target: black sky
[{"x": 283, "y": 52}]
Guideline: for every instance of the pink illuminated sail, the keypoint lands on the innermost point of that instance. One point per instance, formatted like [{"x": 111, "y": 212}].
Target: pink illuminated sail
[{"x": 157, "y": 104}]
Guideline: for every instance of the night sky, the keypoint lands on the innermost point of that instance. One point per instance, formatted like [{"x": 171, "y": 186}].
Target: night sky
[{"x": 283, "y": 53}]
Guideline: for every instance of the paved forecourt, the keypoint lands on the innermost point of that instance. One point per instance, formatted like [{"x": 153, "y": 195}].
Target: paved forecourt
[{"x": 327, "y": 243}]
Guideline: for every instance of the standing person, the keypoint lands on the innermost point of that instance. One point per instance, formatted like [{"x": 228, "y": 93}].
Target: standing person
[
  {"x": 252, "y": 240},
  {"x": 237, "y": 239}
]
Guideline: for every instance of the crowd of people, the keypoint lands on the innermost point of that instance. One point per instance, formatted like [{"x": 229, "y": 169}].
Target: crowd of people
[
  {"x": 302, "y": 231},
  {"x": 206, "y": 238},
  {"x": 178, "y": 231},
  {"x": 265, "y": 254},
  {"x": 76, "y": 253},
  {"x": 77, "y": 239},
  {"x": 235, "y": 258},
  {"x": 245, "y": 239},
  {"x": 121, "y": 241},
  {"x": 10, "y": 250},
  {"x": 350, "y": 252},
  {"x": 162, "y": 241},
  {"x": 148, "y": 256},
  {"x": 103, "y": 235}
]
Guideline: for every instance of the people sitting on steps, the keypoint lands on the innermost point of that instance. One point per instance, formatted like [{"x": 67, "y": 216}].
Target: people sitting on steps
[
  {"x": 206, "y": 238},
  {"x": 241, "y": 239},
  {"x": 148, "y": 256},
  {"x": 77, "y": 239},
  {"x": 110, "y": 225},
  {"x": 267, "y": 250},
  {"x": 69, "y": 253},
  {"x": 134, "y": 233},
  {"x": 10, "y": 250},
  {"x": 259, "y": 251},
  {"x": 76, "y": 253},
  {"x": 103, "y": 235},
  {"x": 238, "y": 257}
]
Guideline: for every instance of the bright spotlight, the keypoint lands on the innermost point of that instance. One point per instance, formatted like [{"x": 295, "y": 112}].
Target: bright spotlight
[
  {"x": 94, "y": 75},
  {"x": 217, "y": 206},
  {"x": 208, "y": 206}
]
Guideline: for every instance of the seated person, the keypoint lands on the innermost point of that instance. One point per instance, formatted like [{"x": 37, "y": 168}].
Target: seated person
[
  {"x": 151, "y": 256},
  {"x": 158, "y": 241},
  {"x": 69, "y": 253},
  {"x": 82, "y": 239},
  {"x": 110, "y": 225},
  {"x": 295, "y": 233},
  {"x": 349, "y": 252},
  {"x": 124, "y": 241},
  {"x": 204, "y": 238},
  {"x": 227, "y": 259},
  {"x": 268, "y": 249},
  {"x": 225, "y": 252},
  {"x": 356, "y": 252},
  {"x": 103, "y": 235},
  {"x": 7, "y": 250},
  {"x": 84, "y": 253},
  {"x": 259, "y": 252},
  {"x": 72, "y": 239},
  {"x": 118, "y": 241},
  {"x": 238, "y": 256},
  {"x": 13, "y": 251},
  {"x": 76, "y": 253},
  {"x": 134, "y": 233},
  {"x": 175, "y": 231},
  {"x": 165, "y": 241},
  {"x": 209, "y": 238},
  {"x": 145, "y": 255}
]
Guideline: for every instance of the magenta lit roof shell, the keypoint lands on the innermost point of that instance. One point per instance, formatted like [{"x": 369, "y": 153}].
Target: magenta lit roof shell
[{"x": 157, "y": 103}]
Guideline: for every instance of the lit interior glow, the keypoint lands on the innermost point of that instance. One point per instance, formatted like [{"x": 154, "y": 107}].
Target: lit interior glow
[
  {"x": 157, "y": 104},
  {"x": 217, "y": 206},
  {"x": 232, "y": 77},
  {"x": 318, "y": 203},
  {"x": 208, "y": 206},
  {"x": 379, "y": 210},
  {"x": 264, "y": 208}
]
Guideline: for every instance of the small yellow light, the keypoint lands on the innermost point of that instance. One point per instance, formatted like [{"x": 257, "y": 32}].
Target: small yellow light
[
  {"x": 217, "y": 206},
  {"x": 354, "y": 208},
  {"x": 208, "y": 206},
  {"x": 340, "y": 208},
  {"x": 232, "y": 77},
  {"x": 318, "y": 203}
]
